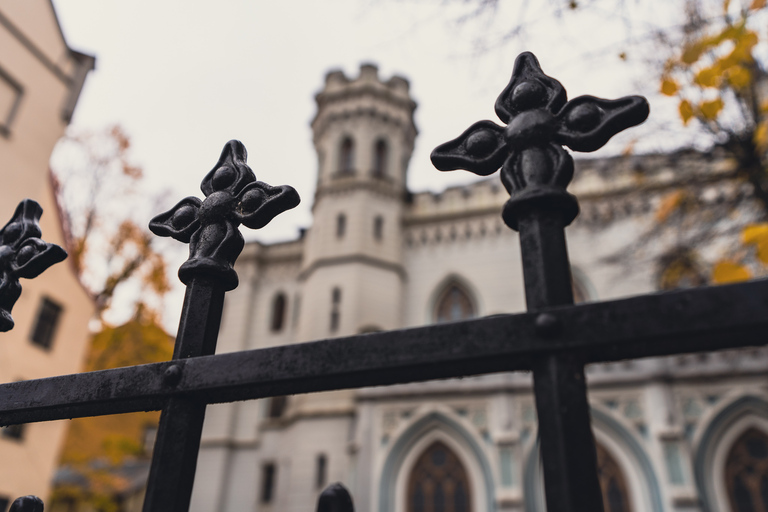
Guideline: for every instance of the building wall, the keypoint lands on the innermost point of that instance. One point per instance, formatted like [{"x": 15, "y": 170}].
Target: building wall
[
  {"x": 48, "y": 76},
  {"x": 666, "y": 422}
]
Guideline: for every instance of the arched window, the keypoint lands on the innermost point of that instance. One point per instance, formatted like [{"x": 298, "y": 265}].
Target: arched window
[
  {"x": 347, "y": 156},
  {"x": 438, "y": 482},
  {"x": 378, "y": 227},
  {"x": 278, "y": 312},
  {"x": 454, "y": 305},
  {"x": 341, "y": 225},
  {"x": 746, "y": 472},
  {"x": 612, "y": 483},
  {"x": 380, "y": 156}
]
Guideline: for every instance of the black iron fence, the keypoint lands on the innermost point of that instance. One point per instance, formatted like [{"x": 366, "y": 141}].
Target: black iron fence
[{"x": 554, "y": 339}]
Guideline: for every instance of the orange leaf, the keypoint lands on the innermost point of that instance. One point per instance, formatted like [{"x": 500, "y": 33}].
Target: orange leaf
[
  {"x": 669, "y": 204},
  {"x": 739, "y": 77},
  {"x": 686, "y": 111},
  {"x": 726, "y": 271},
  {"x": 757, "y": 4},
  {"x": 708, "y": 77}
]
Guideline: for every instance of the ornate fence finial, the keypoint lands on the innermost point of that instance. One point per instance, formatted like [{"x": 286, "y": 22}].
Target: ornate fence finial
[
  {"x": 335, "y": 498},
  {"x": 27, "y": 504},
  {"x": 233, "y": 197},
  {"x": 22, "y": 254},
  {"x": 535, "y": 168}
]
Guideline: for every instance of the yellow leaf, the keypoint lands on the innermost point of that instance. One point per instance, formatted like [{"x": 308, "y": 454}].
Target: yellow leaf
[
  {"x": 686, "y": 111},
  {"x": 739, "y": 77},
  {"x": 708, "y": 77},
  {"x": 757, "y": 4},
  {"x": 710, "y": 109},
  {"x": 726, "y": 271},
  {"x": 726, "y": 5},
  {"x": 669, "y": 204},
  {"x": 757, "y": 235},
  {"x": 764, "y": 107},
  {"x": 692, "y": 53},
  {"x": 761, "y": 135},
  {"x": 669, "y": 87}
]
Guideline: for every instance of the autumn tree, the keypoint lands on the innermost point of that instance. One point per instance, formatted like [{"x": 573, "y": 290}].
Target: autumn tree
[{"x": 97, "y": 191}]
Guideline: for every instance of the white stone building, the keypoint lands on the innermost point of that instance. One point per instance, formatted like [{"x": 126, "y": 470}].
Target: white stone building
[{"x": 673, "y": 434}]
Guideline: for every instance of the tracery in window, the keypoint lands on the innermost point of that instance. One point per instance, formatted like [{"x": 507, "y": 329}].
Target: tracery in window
[
  {"x": 612, "y": 482},
  {"x": 347, "y": 156},
  {"x": 454, "y": 305},
  {"x": 438, "y": 482},
  {"x": 380, "y": 156},
  {"x": 746, "y": 472}
]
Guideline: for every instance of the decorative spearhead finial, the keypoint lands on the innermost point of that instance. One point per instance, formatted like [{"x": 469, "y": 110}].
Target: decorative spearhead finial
[
  {"x": 22, "y": 254},
  {"x": 27, "y": 504},
  {"x": 233, "y": 197},
  {"x": 335, "y": 498},
  {"x": 534, "y": 166}
]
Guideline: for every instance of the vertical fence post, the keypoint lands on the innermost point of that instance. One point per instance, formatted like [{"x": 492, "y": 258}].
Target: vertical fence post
[
  {"x": 535, "y": 170},
  {"x": 233, "y": 197}
]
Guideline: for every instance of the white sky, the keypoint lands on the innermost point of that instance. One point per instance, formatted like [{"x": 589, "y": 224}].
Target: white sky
[{"x": 184, "y": 77}]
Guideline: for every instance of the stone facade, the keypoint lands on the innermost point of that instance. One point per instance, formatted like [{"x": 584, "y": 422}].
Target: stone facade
[
  {"x": 40, "y": 83},
  {"x": 381, "y": 257}
]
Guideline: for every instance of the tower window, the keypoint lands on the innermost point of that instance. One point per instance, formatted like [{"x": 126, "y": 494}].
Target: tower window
[
  {"x": 45, "y": 325},
  {"x": 380, "y": 154},
  {"x": 268, "y": 477},
  {"x": 278, "y": 312},
  {"x": 321, "y": 469},
  {"x": 335, "y": 306},
  {"x": 746, "y": 472},
  {"x": 341, "y": 225},
  {"x": 347, "y": 156},
  {"x": 378, "y": 227}
]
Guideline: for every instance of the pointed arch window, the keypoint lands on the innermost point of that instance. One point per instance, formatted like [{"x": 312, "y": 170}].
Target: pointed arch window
[
  {"x": 746, "y": 472},
  {"x": 453, "y": 305},
  {"x": 438, "y": 482},
  {"x": 347, "y": 156},
  {"x": 380, "y": 158},
  {"x": 278, "y": 312},
  {"x": 612, "y": 482}
]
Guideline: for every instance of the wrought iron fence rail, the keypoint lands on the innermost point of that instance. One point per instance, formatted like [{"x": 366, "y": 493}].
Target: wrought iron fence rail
[{"x": 686, "y": 321}]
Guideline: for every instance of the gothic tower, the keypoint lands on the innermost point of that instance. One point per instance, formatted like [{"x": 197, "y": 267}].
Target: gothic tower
[{"x": 352, "y": 271}]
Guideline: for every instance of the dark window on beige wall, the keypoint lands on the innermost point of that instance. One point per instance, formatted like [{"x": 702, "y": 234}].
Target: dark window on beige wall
[
  {"x": 378, "y": 227},
  {"x": 279, "y": 304},
  {"x": 347, "y": 156},
  {"x": 380, "y": 157},
  {"x": 453, "y": 305},
  {"x": 15, "y": 432},
  {"x": 321, "y": 471},
  {"x": 341, "y": 225},
  {"x": 746, "y": 472},
  {"x": 44, "y": 330},
  {"x": 268, "y": 479}
]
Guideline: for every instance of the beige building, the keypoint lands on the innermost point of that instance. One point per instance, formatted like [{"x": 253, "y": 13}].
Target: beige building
[
  {"x": 40, "y": 82},
  {"x": 674, "y": 434}
]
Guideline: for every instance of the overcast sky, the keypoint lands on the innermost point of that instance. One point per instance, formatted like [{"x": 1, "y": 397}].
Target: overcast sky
[{"x": 184, "y": 77}]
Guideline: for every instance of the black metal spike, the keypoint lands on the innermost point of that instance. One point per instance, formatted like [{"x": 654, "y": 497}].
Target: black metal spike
[
  {"x": 335, "y": 498},
  {"x": 27, "y": 504}
]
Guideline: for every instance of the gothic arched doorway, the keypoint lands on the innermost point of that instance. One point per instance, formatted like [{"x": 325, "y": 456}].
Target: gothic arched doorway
[
  {"x": 746, "y": 472},
  {"x": 612, "y": 482},
  {"x": 438, "y": 482}
]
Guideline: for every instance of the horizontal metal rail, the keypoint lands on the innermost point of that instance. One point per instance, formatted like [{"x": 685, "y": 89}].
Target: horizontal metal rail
[{"x": 700, "y": 320}]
